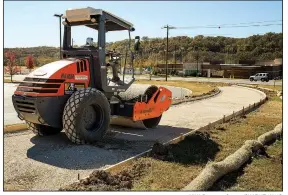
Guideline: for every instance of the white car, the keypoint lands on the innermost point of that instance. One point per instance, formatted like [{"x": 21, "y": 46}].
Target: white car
[{"x": 259, "y": 77}]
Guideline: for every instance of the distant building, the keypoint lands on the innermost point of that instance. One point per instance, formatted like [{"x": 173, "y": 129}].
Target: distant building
[
  {"x": 161, "y": 68},
  {"x": 273, "y": 67},
  {"x": 243, "y": 70}
]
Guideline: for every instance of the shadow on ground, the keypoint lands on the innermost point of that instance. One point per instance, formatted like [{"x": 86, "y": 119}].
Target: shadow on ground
[{"x": 58, "y": 151}]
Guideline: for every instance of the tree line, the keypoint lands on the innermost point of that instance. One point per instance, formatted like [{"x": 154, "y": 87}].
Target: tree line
[{"x": 180, "y": 49}]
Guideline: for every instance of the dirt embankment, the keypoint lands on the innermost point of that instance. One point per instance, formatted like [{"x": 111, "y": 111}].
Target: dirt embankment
[{"x": 100, "y": 180}]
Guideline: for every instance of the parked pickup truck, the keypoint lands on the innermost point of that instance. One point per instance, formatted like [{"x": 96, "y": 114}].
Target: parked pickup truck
[{"x": 259, "y": 77}]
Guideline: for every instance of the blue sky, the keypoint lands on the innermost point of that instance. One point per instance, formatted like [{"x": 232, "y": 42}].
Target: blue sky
[{"x": 28, "y": 24}]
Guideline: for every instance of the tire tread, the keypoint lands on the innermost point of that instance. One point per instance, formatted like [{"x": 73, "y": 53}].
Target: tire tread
[{"x": 70, "y": 113}]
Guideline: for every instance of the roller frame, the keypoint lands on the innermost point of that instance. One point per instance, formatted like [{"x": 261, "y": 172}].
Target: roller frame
[{"x": 141, "y": 110}]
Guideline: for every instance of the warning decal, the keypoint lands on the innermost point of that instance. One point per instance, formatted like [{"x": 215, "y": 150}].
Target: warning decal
[{"x": 72, "y": 87}]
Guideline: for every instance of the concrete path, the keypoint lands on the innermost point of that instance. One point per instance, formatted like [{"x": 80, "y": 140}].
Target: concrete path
[
  {"x": 47, "y": 163},
  {"x": 184, "y": 117},
  {"x": 10, "y": 116}
]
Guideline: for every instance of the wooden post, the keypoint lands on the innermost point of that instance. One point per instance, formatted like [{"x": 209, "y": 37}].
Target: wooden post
[
  {"x": 182, "y": 137},
  {"x": 243, "y": 111},
  {"x": 223, "y": 118}
]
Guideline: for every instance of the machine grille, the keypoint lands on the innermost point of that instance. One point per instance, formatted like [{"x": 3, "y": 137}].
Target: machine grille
[
  {"x": 39, "y": 85},
  {"x": 25, "y": 106}
]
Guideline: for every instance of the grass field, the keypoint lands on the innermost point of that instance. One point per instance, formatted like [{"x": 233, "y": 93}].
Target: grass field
[
  {"x": 190, "y": 156},
  {"x": 276, "y": 87},
  {"x": 9, "y": 81},
  {"x": 262, "y": 174}
]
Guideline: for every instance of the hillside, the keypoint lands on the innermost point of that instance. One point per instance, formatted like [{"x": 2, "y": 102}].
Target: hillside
[{"x": 257, "y": 47}]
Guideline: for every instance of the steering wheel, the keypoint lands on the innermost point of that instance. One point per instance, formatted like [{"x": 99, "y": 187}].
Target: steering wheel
[{"x": 89, "y": 47}]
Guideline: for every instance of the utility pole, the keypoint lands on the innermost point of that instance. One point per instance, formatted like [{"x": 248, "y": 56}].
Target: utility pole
[
  {"x": 167, "y": 36},
  {"x": 197, "y": 64},
  {"x": 181, "y": 49},
  {"x": 59, "y": 16},
  {"x": 197, "y": 58},
  {"x": 197, "y": 61},
  {"x": 175, "y": 54},
  {"x": 167, "y": 42}
]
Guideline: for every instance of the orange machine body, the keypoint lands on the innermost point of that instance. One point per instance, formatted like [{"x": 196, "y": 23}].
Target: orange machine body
[
  {"x": 56, "y": 79},
  {"x": 52, "y": 84},
  {"x": 159, "y": 103}
]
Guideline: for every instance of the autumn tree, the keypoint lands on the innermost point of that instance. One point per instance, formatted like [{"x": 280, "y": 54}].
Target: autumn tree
[
  {"x": 257, "y": 47},
  {"x": 11, "y": 67},
  {"x": 29, "y": 62}
]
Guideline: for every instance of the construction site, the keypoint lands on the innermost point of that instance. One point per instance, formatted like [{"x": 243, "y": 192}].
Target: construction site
[{"x": 91, "y": 121}]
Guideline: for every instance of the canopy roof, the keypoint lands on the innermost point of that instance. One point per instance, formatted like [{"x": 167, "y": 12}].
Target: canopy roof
[{"x": 84, "y": 16}]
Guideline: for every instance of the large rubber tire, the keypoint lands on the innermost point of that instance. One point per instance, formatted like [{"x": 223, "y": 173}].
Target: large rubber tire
[
  {"x": 86, "y": 116},
  {"x": 42, "y": 130},
  {"x": 262, "y": 80},
  {"x": 251, "y": 79}
]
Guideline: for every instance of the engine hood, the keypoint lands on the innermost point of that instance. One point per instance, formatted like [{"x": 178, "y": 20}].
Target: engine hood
[{"x": 47, "y": 70}]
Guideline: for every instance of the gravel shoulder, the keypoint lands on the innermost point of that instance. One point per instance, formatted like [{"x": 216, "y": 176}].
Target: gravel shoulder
[{"x": 49, "y": 163}]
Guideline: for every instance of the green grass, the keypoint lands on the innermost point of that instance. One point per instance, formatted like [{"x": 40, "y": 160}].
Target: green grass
[
  {"x": 8, "y": 81},
  {"x": 263, "y": 174},
  {"x": 276, "y": 87},
  {"x": 225, "y": 139},
  {"x": 166, "y": 176}
]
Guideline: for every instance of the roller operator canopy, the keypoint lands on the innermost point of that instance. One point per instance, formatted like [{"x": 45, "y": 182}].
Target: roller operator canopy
[{"x": 89, "y": 17}]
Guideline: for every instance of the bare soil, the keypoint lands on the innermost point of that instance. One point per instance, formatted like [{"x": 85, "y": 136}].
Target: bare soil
[{"x": 100, "y": 180}]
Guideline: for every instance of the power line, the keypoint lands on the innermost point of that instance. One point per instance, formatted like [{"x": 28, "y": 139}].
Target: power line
[
  {"x": 237, "y": 23},
  {"x": 239, "y": 26},
  {"x": 254, "y": 22},
  {"x": 255, "y": 25},
  {"x": 233, "y": 25}
]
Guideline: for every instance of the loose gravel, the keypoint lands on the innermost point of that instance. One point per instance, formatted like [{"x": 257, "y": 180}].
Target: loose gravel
[{"x": 49, "y": 163}]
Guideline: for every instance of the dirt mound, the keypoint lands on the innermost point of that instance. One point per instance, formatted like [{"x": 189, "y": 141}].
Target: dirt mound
[
  {"x": 196, "y": 148},
  {"x": 100, "y": 180}
]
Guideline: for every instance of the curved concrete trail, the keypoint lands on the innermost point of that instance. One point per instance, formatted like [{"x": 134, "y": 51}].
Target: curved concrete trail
[{"x": 48, "y": 163}]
